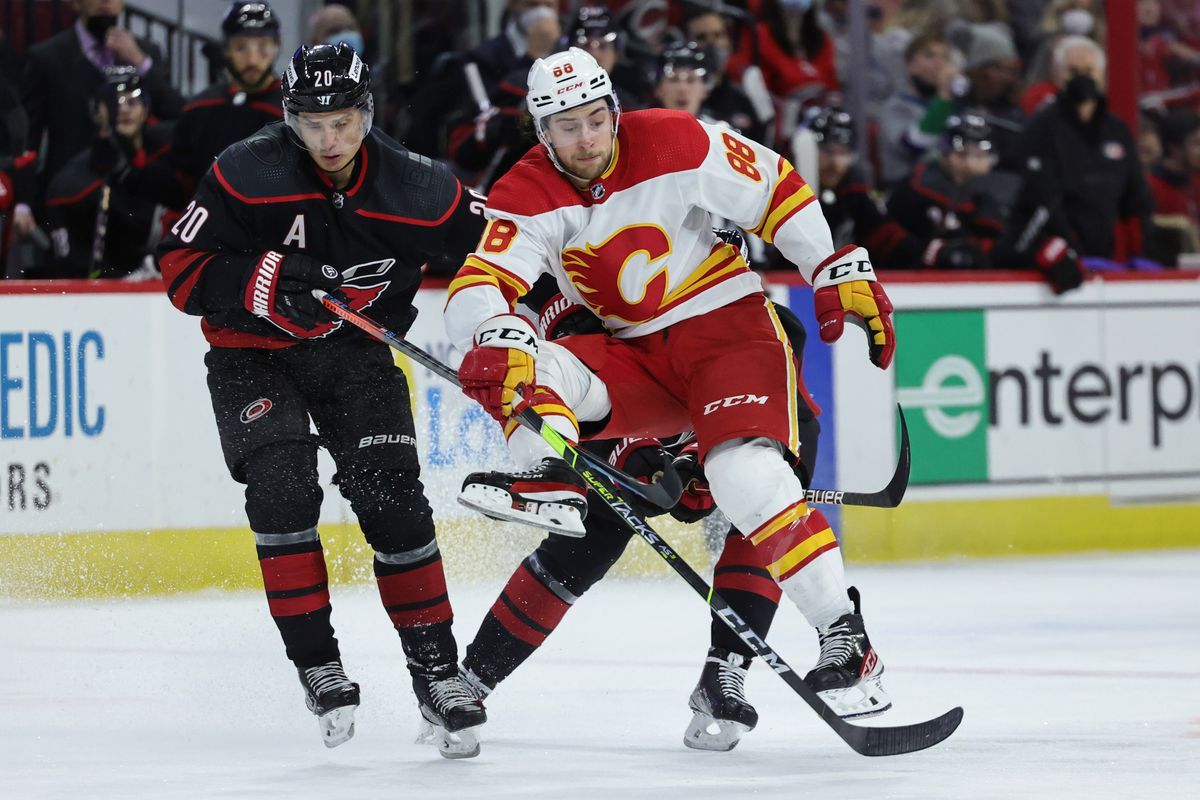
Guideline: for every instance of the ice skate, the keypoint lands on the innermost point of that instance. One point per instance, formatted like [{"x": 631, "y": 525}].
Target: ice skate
[
  {"x": 333, "y": 698},
  {"x": 721, "y": 711},
  {"x": 451, "y": 716},
  {"x": 848, "y": 673},
  {"x": 549, "y": 496}
]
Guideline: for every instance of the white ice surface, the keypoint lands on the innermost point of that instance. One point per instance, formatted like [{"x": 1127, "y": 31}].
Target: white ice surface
[{"x": 1080, "y": 678}]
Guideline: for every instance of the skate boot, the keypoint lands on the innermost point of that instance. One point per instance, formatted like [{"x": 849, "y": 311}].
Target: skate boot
[
  {"x": 452, "y": 715},
  {"x": 332, "y": 697},
  {"x": 848, "y": 672},
  {"x": 721, "y": 712},
  {"x": 550, "y": 496},
  {"x": 476, "y": 685}
]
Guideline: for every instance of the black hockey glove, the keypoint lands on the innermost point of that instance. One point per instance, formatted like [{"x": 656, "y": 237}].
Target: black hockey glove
[
  {"x": 561, "y": 317},
  {"x": 1061, "y": 266},
  {"x": 956, "y": 254},
  {"x": 696, "y": 502},
  {"x": 642, "y": 459},
  {"x": 280, "y": 291}
]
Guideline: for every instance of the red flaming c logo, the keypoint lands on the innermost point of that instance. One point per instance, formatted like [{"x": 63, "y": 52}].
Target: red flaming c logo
[{"x": 599, "y": 272}]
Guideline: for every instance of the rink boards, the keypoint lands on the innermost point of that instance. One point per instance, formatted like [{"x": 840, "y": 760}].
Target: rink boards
[{"x": 1038, "y": 424}]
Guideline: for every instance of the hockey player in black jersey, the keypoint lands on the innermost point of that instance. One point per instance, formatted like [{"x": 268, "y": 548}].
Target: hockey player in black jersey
[
  {"x": 232, "y": 109},
  {"x": 323, "y": 201}
]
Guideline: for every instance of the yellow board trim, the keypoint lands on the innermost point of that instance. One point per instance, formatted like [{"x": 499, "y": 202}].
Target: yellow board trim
[
  {"x": 1016, "y": 527},
  {"x": 801, "y": 551}
]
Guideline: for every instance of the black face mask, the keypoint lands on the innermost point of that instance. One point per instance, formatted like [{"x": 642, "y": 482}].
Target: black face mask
[
  {"x": 98, "y": 25},
  {"x": 923, "y": 87},
  {"x": 1081, "y": 89}
]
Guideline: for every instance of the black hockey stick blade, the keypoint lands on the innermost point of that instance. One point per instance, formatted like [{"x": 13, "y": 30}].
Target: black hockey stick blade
[
  {"x": 887, "y": 497},
  {"x": 664, "y": 492},
  {"x": 904, "y": 738}
]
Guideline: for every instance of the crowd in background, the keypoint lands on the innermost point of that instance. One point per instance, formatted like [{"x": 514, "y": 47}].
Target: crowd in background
[{"x": 988, "y": 140}]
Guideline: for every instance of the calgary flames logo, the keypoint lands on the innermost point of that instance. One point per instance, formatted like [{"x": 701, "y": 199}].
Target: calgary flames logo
[{"x": 625, "y": 276}]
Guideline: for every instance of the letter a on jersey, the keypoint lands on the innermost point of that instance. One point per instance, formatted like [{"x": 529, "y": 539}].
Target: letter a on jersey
[{"x": 296, "y": 233}]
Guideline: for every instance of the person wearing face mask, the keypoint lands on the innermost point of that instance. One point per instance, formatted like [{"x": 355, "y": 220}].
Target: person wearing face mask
[
  {"x": 1061, "y": 18},
  {"x": 103, "y": 205},
  {"x": 333, "y": 24},
  {"x": 943, "y": 203},
  {"x": 726, "y": 100},
  {"x": 232, "y": 109},
  {"x": 910, "y": 123},
  {"x": 64, "y": 71},
  {"x": 1081, "y": 178}
]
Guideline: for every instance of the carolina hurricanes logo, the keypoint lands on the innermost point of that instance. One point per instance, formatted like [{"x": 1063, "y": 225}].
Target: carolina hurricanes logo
[
  {"x": 625, "y": 276},
  {"x": 362, "y": 285},
  {"x": 255, "y": 410}
]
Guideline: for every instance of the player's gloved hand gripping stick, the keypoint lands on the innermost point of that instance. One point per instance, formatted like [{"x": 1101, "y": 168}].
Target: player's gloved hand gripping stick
[{"x": 873, "y": 741}]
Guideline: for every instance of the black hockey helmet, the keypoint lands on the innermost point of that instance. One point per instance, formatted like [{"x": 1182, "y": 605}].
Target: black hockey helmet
[
  {"x": 592, "y": 22},
  {"x": 250, "y": 19},
  {"x": 833, "y": 126},
  {"x": 326, "y": 77},
  {"x": 964, "y": 129},
  {"x": 687, "y": 56}
]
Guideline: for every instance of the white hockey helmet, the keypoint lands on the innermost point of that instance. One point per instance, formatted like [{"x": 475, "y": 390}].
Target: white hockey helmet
[{"x": 566, "y": 80}]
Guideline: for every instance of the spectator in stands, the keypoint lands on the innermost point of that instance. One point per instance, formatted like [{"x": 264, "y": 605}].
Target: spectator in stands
[
  {"x": 1150, "y": 146},
  {"x": 854, "y": 209},
  {"x": 943, "y": 204},
  {"x": 1164, "y": 60},
  {"x": 333, "y": 24},
  {"x": 726, "y": 100},
  {"x": 911, "y": 122},
  {"x": 885, "y": 57},
  {"x": 595, "y": 31},
  {"x": 994, "y": 73},
  {"x": 17, "y": 161},
  {"x": 684, "y": 80},
  {"x": 1175, "y": 179},
  {"x": 65, "y": 71},
  {"x": 103, "y": 205},
  {"x": 1061, "y": 18},
  {"x": 233, "y": 108},
  {"x": 1082, "y": 181},
  {"x": 795, "y": 55},
  {"x": 531, "y": 30}
]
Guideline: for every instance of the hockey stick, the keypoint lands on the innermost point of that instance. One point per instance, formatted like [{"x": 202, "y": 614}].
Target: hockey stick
[
  {"x": 666, "y": 492},
  {"x": 663, "y": 493},
  {"x": 865, "y": 741}
]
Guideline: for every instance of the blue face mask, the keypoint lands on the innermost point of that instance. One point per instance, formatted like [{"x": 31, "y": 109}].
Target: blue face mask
[
  {"x": 802, "y": 5},
  {"x": 352, "y": 38}
]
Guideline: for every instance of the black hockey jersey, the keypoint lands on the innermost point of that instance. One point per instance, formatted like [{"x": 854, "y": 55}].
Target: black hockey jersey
[
  {"x": 398, "y": 211},
  {"x": 216, "y": 118}
]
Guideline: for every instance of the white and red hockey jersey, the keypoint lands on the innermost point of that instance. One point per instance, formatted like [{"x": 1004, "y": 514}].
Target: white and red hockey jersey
[{"x": 636, "y": 246}]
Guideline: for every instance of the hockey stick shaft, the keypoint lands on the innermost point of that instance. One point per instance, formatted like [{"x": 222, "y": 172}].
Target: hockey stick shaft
[{"x": 866, "y": 741}]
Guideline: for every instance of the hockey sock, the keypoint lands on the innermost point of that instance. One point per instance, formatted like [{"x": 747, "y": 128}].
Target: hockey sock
[
  {"x": 528, "y": 610},
  {"x": 297, "y": 586},
  {"x": 802, "y": 554},
  {"x": 741, "y": 577},
  {"x": 412, "y": 587}
]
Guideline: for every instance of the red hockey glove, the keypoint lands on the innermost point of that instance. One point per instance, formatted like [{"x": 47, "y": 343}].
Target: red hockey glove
[
  {"x": 844, "y": 284},
  {"x": 696, "y": 502},
  {"x": 1059, "y": 264},
  {"x": 497, "y": 370},
  {"x": 641, "y": 458},
  {"x": 279, "y": 290}
]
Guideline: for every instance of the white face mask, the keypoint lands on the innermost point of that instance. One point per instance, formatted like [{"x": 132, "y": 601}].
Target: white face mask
[{"x": 1078, "y": 21}]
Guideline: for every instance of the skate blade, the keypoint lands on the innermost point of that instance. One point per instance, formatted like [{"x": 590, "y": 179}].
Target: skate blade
[
  {"x": 458, "y": 744},
  {"x": 706, "y": 733},
  {"x": 337, "y": 725},
  {"x": 865, "y": 699},
  {"x": 497, "y": 504}
]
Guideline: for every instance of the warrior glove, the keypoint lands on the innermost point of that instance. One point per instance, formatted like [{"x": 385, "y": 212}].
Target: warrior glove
[
  {"x": 642, "y": 458},
  {"x": 696, "y": 502},
  {"x": 844, "y": 284},
  {"x": 498, "y": 369},
  {"x": 280, "y": 291}
]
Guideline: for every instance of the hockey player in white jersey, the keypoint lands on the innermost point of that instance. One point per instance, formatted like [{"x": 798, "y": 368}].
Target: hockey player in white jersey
[{"x": 619, "y": 209}]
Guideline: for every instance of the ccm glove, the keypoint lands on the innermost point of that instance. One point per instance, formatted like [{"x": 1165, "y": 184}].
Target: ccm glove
[
  {"x": 280, "y": 291},
  {"x": 497, "y": 370},
  {"x": 844, "y": 284},
  {"x": 696, "y": 502}
]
